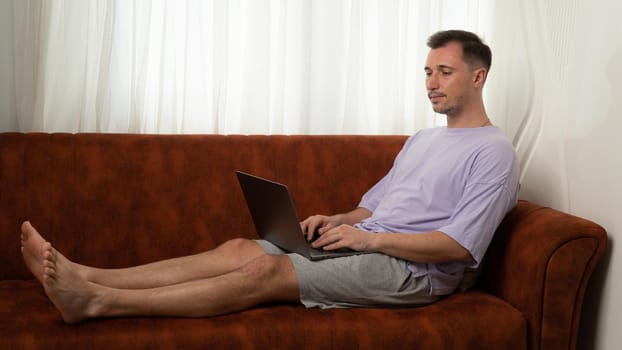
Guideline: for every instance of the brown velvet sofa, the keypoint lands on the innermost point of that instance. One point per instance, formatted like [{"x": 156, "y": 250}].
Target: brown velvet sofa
[{"x": 117, "y": 200}]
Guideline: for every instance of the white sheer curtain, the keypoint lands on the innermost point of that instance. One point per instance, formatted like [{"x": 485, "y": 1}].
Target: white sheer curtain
[{"x": 254, "y": 66}]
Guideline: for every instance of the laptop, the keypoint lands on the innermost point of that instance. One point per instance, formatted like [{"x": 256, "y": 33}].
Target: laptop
[{"x": 273, "y": 212}]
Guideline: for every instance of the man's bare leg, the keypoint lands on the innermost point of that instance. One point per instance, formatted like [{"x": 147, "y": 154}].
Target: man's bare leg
[
  {"x": 225, "y": 258},
  {"x": 266, "y": 278}
]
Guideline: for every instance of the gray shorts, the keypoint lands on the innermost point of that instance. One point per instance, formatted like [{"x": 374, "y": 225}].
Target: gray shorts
[{"x": 356, "y": 281}]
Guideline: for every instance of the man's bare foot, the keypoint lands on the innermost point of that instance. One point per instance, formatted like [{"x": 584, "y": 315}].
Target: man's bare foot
[
  {"x": 67, "y": 289},
  {"x": 72, "y": 295}
]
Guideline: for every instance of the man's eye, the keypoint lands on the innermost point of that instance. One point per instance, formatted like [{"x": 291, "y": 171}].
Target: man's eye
[{"x": 446, "y": 72}]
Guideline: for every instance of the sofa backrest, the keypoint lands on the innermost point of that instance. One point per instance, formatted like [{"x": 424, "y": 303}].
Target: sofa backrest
[{"x": 116, "y": 200}]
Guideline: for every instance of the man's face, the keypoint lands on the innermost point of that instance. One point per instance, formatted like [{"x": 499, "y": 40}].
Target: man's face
[{"x": 449, "y": 81}]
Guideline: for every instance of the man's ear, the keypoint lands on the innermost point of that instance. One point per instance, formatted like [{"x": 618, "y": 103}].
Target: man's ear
[{"x": 479, "y": 76}]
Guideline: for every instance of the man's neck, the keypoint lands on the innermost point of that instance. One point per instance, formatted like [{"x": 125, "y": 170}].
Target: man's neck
[{"x": 475, "y": 118}]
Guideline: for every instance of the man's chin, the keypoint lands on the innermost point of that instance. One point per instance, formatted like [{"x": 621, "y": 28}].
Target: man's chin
[{"x": 440, "y": 110}]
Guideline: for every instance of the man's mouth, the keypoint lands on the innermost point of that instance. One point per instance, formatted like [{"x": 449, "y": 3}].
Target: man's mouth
[{"x": 434, "y": 98}]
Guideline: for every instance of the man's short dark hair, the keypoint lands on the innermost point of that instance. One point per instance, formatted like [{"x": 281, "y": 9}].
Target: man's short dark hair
[{"x": 474, "y": 51}]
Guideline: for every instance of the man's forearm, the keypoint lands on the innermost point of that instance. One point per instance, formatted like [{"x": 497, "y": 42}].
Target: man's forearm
[
  {"x": 354, "y": 216},
  {"x": 429, "y": 247}
]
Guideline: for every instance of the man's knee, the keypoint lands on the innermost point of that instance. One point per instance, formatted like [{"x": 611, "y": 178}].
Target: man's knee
[
  {"x": 274, "y": 277},
  {"x": 266, "y": 267}
]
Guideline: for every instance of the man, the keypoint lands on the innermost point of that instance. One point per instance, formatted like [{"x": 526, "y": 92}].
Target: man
[{"x": 431, "y": 217}]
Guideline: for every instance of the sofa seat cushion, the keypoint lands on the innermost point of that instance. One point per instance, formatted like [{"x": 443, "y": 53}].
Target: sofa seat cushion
[{"x": 471, "y": 320}]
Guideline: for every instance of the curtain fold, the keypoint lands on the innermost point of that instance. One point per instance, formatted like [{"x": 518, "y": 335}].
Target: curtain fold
[{"x": 227, "y": 66}]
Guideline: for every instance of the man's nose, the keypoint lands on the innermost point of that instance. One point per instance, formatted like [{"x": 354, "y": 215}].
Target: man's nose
[{"x": 431, "y": 81}]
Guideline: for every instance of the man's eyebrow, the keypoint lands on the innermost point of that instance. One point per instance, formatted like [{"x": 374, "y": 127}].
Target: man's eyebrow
[
  {"x": 440, "y": 66},
  {"x": 444, "y": 66}
]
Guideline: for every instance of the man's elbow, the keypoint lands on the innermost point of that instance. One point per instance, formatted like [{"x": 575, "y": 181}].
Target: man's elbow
[
  {"x": 455, "y": 251},
  {"x": 463, "y": 255}
]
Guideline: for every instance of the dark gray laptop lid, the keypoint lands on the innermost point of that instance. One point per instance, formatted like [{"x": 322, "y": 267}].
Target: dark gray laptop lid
[{"x": 273, "y": 213}]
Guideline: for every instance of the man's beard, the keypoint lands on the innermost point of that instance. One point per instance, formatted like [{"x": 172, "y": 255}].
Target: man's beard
[{"x": 445, "y": 109}]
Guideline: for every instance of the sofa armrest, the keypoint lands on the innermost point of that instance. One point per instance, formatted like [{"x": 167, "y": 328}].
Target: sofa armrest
[{"x": 540, "y": 261}]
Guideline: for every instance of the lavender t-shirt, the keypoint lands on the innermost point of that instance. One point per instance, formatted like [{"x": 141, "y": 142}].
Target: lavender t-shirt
[{"x": 460, "y": 181}]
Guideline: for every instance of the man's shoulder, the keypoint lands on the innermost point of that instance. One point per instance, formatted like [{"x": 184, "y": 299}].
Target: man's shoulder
[{"x": 498, "y": 140}]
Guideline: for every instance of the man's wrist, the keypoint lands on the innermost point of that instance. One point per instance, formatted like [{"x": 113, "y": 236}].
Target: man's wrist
[
  {"x": 374, "y": 243},
  {"x": 338, "y": 219}
]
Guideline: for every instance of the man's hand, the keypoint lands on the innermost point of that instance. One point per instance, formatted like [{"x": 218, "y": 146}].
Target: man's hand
[
  {"x": 319, "y": 223},
  {"x": 343, "y": 236},
  {"x": 323, "y": 224}
]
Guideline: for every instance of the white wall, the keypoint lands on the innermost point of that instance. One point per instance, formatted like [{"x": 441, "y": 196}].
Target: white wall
[{"x": 563, "y": 80}]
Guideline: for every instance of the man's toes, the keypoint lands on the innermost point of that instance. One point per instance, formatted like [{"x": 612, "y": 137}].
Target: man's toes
[{"x": 26, "y": 228}]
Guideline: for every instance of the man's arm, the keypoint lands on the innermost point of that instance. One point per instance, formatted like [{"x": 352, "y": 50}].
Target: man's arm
[{"x": 428, "y": 247}]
